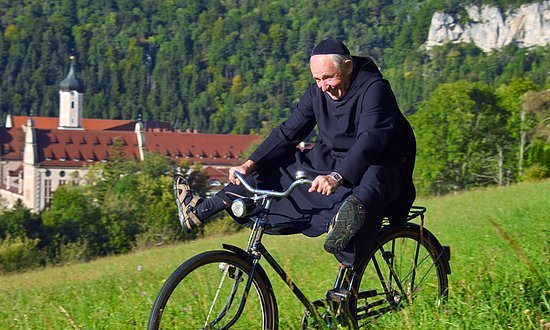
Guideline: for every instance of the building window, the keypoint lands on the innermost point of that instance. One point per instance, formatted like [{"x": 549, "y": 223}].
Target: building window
[
  {"x": 214, "y": 183},
  {"x": 62, "y": 182},
  {"x": 47, "y": 193}
]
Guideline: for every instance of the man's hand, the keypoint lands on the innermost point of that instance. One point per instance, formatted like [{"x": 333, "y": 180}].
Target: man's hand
[
  {"x": 244, "y": 169},
  {"x": 324, "y": 184}
]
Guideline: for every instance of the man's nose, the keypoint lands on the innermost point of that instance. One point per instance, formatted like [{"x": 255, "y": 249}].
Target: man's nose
[{"x": 324, "y": 85}]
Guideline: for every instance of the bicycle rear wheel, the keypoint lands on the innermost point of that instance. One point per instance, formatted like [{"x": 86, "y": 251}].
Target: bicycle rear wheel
[
  {"x": 206, "y": 292},
  {"x": 407, "y": 266}
]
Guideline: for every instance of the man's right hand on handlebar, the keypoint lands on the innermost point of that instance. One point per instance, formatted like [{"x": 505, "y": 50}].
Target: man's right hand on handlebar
[{"x": 245, "y": 169}]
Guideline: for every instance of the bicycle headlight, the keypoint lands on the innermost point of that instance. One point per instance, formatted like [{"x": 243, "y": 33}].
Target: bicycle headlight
[{"x": 242, "y": 206}]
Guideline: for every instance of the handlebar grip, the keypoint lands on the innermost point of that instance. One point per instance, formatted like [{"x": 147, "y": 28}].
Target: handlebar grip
[{"x": 240, "y": 176}]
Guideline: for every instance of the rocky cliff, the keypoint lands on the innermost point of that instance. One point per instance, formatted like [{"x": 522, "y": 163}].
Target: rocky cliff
[{"x": 489, "y": 29}]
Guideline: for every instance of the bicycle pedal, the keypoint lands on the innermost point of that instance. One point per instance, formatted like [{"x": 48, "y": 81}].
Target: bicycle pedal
[{"x": 338, "y": 295}]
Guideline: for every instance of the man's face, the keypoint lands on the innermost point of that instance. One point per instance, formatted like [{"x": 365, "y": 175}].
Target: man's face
[{"x": 328, "y": 77}]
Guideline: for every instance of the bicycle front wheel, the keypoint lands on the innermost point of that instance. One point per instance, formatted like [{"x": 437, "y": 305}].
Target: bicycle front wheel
[
  {"x": 206, "y": 292},
  {"x": 407, "y": 266}
]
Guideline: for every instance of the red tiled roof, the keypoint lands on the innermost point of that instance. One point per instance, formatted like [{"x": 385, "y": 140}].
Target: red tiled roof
[
  {"x": 88, "y": 124},
  {"x": 12, "y": 143},
  {"x": 207, "y": 149},
  {"x": 79, "y": 148},
  {"x": 217, "y": 173},
  {"x": 40, "y": 122},
  {"x": 108, "y": 125},
  {"x": 12, "y": 189},
  {"x": 76, "y": 148},
  {"x": 17, "y": 171}
]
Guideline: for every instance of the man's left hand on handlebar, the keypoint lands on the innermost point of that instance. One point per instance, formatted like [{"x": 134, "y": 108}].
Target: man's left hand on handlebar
[
  {"x": 324, "y": 184},
  {"x": 244, "y": 169}
]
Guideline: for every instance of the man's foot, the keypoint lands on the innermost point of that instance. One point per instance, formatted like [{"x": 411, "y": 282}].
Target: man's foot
[
  {"x": 345, "y": 224},
  {"x": 186, "y": 203}
]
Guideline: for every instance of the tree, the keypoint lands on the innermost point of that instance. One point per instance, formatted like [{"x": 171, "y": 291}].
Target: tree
[
  {"x": 537, "y": 108},
  {"x": 73, "y": 217},
  {"x": 19, "y": 222},
  {"x": 510, "y": 98},
  {"x": 458, "y": 135},
  {"x": 536, "y": 104}
]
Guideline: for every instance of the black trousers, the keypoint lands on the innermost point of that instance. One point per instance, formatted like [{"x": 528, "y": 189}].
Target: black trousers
[{"x": 310, "y": 213}]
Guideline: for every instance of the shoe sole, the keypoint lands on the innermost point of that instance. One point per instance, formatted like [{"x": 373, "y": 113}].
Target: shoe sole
[
  {"x": 176, "y": 188},
  {"x": 347, "y": 222}
]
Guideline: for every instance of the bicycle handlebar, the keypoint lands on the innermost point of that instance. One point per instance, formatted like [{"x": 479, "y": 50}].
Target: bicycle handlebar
[{"x": 271, "y": 193}]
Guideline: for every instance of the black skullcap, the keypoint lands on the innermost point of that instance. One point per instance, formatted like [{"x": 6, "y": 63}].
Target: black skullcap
[{"x": 330, "y": 46}]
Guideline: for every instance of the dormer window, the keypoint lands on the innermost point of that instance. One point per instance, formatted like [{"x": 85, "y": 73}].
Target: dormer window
[{"x": 214, "y": 183}]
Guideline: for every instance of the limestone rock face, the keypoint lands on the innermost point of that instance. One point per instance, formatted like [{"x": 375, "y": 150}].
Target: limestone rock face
[{"x": 489, "y": 29}]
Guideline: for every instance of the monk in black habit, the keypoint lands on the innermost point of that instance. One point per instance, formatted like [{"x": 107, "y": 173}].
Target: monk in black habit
[{"x": 361, "y": 164}]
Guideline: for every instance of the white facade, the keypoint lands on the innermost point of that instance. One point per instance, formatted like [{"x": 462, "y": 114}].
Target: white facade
[{"x": 70, "y": 110}]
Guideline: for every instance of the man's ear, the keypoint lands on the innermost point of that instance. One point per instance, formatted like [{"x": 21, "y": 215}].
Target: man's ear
[{"x": 349, "y": 66}]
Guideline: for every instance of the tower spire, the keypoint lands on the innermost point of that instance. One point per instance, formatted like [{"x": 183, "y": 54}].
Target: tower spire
[
  {"x": 71, "y": 83},
  {"x": 70, "y": 100}
]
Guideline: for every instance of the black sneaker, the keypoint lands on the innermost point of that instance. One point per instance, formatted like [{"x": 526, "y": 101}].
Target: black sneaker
[{"x": 345, "y": 224}]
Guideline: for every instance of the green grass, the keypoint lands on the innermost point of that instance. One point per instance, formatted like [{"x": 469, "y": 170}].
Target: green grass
[{"x": 500, "y": 272}]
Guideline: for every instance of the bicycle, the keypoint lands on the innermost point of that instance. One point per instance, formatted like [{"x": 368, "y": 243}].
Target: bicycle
[{"x": 228, "y": 288}]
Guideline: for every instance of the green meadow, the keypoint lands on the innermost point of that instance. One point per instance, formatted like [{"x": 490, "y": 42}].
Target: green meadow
[{"x": 500, "y": 277}]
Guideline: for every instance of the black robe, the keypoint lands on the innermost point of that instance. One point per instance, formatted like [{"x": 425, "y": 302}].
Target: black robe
[{"x": 363, "y": 136}]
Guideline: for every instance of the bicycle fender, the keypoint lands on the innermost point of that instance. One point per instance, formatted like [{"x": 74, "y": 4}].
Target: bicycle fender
[{"x": 237, "y": 250}]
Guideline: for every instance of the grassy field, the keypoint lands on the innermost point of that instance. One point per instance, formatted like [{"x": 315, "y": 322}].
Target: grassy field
[{"x": 500, "y": 272}]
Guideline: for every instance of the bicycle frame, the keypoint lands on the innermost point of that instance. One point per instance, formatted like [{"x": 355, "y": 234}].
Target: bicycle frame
[
  {"x": 255, "y": 249},
  {"x": 337, "y": 299}
]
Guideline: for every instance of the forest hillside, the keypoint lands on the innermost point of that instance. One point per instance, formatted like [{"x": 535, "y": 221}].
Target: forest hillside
[{"x": 230, "y": 66}]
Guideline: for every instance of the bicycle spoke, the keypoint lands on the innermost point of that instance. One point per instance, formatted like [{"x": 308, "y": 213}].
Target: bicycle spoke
[
  {"x": 229, "y": 299},
  {"x": 406, "y": 267},
  {"x": 210, "y": 296}
]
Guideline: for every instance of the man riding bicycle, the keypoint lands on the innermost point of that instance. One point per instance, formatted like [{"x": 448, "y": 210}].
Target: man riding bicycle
[{"x": 361, "y": 164}]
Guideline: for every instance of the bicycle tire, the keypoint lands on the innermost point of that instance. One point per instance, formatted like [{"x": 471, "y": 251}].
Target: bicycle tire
[
  {"x": 184, "y": 299},
  {"x": 377, "y": 292}
]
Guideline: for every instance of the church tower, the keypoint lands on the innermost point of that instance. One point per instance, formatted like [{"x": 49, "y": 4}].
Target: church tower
[
  {"x": 70, "y": 101},
  {"x": 27, "y": 187}
]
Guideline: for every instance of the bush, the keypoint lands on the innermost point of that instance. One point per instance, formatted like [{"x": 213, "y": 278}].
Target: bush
[
  {"x": 153, "y": 238},
  {"x": 18, "y": 254},
  {"x": 73, "y": 252},
  {"x": 220, "y": 224},
  {"x": 536, "y": 172}
]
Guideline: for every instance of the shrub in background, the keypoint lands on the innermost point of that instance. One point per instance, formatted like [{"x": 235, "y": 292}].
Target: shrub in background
[
  {"x": 19, "y": 253},
  {"x": 536, "y": 172}
]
